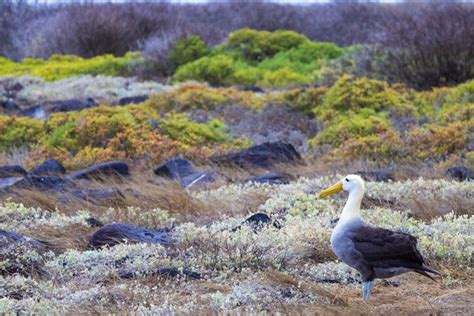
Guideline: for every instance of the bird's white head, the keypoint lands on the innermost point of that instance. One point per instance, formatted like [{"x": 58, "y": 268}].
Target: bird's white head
[
  {"x": 355, "y": 186},
  {"x": 350, "y": 183}
]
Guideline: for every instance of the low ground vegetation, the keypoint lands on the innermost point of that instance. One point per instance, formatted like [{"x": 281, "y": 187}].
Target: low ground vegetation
[{"x": 242, "y": 271}]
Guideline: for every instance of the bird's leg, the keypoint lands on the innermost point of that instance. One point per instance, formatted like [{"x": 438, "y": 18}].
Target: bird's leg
[{"x": 366, "y": 289}]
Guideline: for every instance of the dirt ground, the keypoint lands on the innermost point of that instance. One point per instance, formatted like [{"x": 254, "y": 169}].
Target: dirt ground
[{"x": 414, "y": 295}]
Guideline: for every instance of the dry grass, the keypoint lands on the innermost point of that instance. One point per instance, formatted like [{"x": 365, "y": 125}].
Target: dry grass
[{"x": 145, "y": 191}]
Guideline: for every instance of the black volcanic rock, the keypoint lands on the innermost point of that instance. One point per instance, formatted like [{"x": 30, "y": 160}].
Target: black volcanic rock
[
  {"x": 258, "y": 221},
  {"x": 262, "y": 156},
  {"x": 116, "y": 233},
  {"x": 382, "y": 175},
  {"x": 176, "y": 168},
  {"x": 460, "y": 173},
  {"x": 9, "y": 106},
  {"x": 42, "y": 110},
  {"x": 133, "y": 100},
  {"x": 12, "y": 171},
  {"x": 49, "y": 167},
  {"x": 101, "y": 170}
]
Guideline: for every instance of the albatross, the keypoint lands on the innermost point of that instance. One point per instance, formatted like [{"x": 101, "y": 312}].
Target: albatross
[{"x": 373, "y": 251}]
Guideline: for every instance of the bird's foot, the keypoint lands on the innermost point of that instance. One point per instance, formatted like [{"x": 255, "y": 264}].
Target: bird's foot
[{"x": 367, "y": 289}]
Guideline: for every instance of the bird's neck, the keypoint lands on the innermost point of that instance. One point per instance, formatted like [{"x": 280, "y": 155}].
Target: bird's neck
[{"x": 351, "y": 210}]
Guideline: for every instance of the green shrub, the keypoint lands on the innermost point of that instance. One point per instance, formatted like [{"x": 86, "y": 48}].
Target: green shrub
[
  {"x": 19, "y": 131},
  {"x": 354, "y": 94},
  {"x": 256, "y": 45},
  {"x": 250, "y": 57},
  {"x": 247, "y": 76},
  {"x": 353, "y": 125},
  {"x": 283, "y": 78},
  {"x": 179, "y": 127},
  {"x": 304, "y": 100},
  {"x": 304, "y": 58},
  {"x": 187, "y": 50},
  {"x": 65, "y": 66},
  {"x": 382, "y": 148},
  {"x": 458, "y": 104},
  {"x": 197, "y": 96},
  {"x": 216, "y": 70},
  {"x": 280, "y": 41}
]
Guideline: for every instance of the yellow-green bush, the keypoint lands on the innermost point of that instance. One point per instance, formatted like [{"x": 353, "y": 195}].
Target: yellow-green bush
[
  {"x": 93, "y": 127},
  {"x": 354, "y": 94},
  {"x": 436, "y": 142},
  {"x": 216, "y": 70},
  {"x": 186, "y": 50},
  {"x": 247, "y": 76},
  {"x": 304, "y": 58},
  {"x": 65, "y": 66},
  {"x": 383, "y": 147},
  {"x": 304, "y": 100},
  {"x": 458, "y": 104},
  {"x": 17, "y": 132},
  {"x": 199, "y": 96},
  {"x": 256, "y": 45},
  {"x": 178, "y": 127},
  {"x": 284, "y": 77},
  {"x": 353, "y": 125}
]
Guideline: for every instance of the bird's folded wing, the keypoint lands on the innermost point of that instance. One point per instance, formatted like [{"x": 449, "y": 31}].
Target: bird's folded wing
[{"x": 379, "y": 246}]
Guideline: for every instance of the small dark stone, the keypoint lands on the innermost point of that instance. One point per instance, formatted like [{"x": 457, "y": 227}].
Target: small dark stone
[
  {"x": 12, "y": 171},
  {"x": 174, "y": 272},
  {"x": 16, "y": 237},
  {"x": 113, "y": 234},
  {"x": 71, "y": 105},
  {"x": 252, "y": 89},
  {"x": 112, "y": 168},
  {"x": 91, "y": 221},
  {"x": 382, "y": 175},
  {"x": 460, "y": 173},
  {"x": 258, "y": 221},
  {"x": 10, "y": 106},
  {"x": 262, "y": 156},
  {"x": 195, "y": 179},
  {"x": 42, "y": 111},
  {"x": 133, "y": 100},
  {"x": 286, "y": 293},
  {"x": 49, "y": 167},
  {"x": 271, "y": 178},
  {"x": 176, "y": 168},
  {"x": 16, "y": 87}
]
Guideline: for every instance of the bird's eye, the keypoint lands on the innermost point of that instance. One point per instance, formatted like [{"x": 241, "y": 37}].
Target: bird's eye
[{"x": 347, "y": 180}]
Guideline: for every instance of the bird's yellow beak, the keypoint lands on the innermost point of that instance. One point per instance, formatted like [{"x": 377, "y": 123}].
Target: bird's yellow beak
[{"x": 331, "y": 190}]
